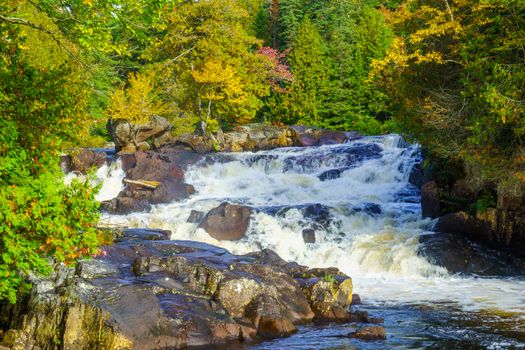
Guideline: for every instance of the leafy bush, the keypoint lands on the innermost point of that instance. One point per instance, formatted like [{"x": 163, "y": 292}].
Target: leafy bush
[{"x": 41, "y": 220}]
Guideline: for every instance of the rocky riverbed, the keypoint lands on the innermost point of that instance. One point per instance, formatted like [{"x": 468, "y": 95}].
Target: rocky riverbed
[
  {"x": 221, "y": 272},
  {"x": 146, "y": 292}
]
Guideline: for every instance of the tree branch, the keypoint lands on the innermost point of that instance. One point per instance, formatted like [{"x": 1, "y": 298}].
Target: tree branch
[{"x": 52, "y": 34}]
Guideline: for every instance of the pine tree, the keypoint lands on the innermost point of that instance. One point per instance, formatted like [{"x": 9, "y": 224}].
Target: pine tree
[{"x": 305, "y": 101}]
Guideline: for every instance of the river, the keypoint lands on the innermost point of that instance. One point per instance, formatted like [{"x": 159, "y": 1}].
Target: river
[{"x": 367, "y": 222}]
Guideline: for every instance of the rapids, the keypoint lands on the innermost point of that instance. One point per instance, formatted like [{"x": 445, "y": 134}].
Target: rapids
[{"x": 366, "y": 216}]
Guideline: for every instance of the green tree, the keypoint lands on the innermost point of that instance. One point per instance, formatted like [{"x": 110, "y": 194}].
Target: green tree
[
  {"x": 354, "y": 33},
  {"x": 53, "y": 56},
  {"x": 40, "y": 217},
  {"x": 210, "y": 57},
  {"x": 456, "y": 74},
  {"x": 305, "y": 100}
]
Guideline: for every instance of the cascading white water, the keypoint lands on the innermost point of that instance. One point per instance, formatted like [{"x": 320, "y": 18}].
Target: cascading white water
[
  {"x": 109, "y": 176},
  {"x": 373, "y": 228}
]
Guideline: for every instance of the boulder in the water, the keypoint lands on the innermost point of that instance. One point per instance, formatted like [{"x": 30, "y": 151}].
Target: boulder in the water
[
  {"x": 317, "y": 213},
  {"x": 83, "y": 160},
  {"x": 330, "y": 174},
  {"x": 370, "y": 333},
  {"x": 195, "y": 217},
  {"x": 227, "y": 221},
  {"x": 460, "y": 255},
  {"x": 308, "y": 235},
  {"x": 330, "y": 296},
  {"x": 367, "y": 208}
]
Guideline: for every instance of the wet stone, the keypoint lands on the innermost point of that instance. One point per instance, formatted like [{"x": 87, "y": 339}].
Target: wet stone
[
  {"x": 370, "y": 333},
  {"x": 309, "y": 235},
  {"x": 195, "y": 217}
]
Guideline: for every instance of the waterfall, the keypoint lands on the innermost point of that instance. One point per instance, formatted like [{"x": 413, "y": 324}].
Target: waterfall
[
  {"x": 367, "y": 219},
  {"x": 110, "y": 177}
]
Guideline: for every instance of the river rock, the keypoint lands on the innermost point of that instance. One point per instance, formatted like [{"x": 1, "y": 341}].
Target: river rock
[
  {"x": 417, "y": 175},
  {"x": 330, "y": 296},
  {"x": 195, "y": 217},
  {"x": 249, "y": 137},
  {"x": 370, "y": 333},
  {"x": 82, "y": 160},
  {"x": 129, "y": 138},
  {"x": 330, "y": 174},
  {"x": 143, "y": 293},
  {"x": 308, "y": 235},
  {"x": 165, "y": 166},
  {"x": 310, "y": 136},
  {"x": 361, "y": 316},
  {"x": 461, "y": 255},
  {"x": 227, "y": 222}
]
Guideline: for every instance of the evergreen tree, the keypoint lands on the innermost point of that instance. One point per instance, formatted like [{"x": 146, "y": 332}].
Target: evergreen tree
[{"x": 305, "y": 101}]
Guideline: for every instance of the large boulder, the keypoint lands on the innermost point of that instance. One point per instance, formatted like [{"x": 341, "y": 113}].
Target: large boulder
[
  {"x": 164, "y": 166},
  {"x": 227, "y": 221},
  {"x": 461, "y": 255},
  {"x": 330, "y": 296},
  {"x": 310, "y": 136},
  {"x": 493, "y": 227},
  {"x": 147, "y": 293},
  {"x": 464, "y": 224},
  {"x": 129, "y": 138}
]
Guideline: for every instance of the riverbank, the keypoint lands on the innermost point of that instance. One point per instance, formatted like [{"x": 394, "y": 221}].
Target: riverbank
[{"x": 348, "y": 205}]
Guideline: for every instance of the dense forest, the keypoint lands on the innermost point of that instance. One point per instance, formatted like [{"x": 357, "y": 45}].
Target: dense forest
[{"x": 449, "y": 74}]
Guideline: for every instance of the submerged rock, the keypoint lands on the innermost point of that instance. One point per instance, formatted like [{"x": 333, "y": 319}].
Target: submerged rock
[
  {"x": 227, "y": 222},
  {"x": 308, "y": 235},
  {"x": 331, "y": 174},
  {"x": 150, "y": 294},
  {"x": 370, "y": 333}
]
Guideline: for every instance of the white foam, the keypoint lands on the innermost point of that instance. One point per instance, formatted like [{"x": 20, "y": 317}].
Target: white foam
[
  {"x": 379, "y": 251},
  {"x": 109, "y": 177}
]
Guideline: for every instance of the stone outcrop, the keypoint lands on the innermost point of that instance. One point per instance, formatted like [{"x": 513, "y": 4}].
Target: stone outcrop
[
  {"x": 460, "y": 255},
  {"x": 146, "y": 293},
  {"x": 500, "y": 225},
  {"x": 165, "y": 166},
  {"x": 227, "y": 222},
  {"x": 129, "y": 138},
  {"x": 310, "y": 136},
  {"x": 250, "y": 137},
  {"x": 82, "y": 160},
  {"x": 257, "y": 137}
]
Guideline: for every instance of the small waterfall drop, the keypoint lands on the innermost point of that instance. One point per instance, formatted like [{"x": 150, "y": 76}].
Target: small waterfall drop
[
  {"x": 109, "y": 176},
  {"x": 358, "y": 200}
]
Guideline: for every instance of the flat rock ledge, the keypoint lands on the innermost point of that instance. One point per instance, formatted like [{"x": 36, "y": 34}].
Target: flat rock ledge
[{"x": 146, "y": 292}]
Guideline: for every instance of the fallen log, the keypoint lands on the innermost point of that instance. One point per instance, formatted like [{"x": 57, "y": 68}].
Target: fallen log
[{"x": 148, "y": 184}]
